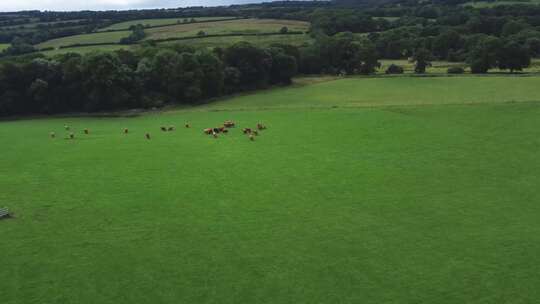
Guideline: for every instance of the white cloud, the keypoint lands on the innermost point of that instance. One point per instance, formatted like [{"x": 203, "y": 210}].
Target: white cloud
[{"x": 69, "y": 5}]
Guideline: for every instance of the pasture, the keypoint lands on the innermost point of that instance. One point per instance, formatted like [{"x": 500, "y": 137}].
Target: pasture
[
  {"x": 240, "y": 26},
  {"x": 156, "y": 22},
  {"x": 108, "y": 37},
  {"x": 260, "y": 41},
  {"x": 362, "y": 190},
  {"x": 3, "y": 46}
]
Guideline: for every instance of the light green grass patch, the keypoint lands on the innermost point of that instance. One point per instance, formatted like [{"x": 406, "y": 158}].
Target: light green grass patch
[
  {"x": 261, "y": 41},
  {"x": 240, "y": 26},
  {"x": 89, "y": 49},
  {"x": 4, "y": 46},
  {"x": 109, "y": 37},
  {"x": 156, "y": 22},
  {"x": 362, "y": 92}
]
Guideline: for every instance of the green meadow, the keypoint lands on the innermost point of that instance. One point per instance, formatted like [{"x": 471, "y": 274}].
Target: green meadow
[
  {"x": 3, "y": 46},
  {"x": 157, "y": 22},
  {"x": 240, "y": 26},
  {"x": 361, "y": 190},
  {"x": 108, "y": 37}
]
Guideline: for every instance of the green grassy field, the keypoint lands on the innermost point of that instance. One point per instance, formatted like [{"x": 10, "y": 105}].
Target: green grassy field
[
  {"x": 88, "y": 49},
  {"x": 156, "y": 22},
  {"x": 241, "y": 26},
  {"x": 261, "y": 41},
  {"x": 109, "y": 37},
  {"x": 418, "y": 202},
  {"x": 3, "y": 46},
  {"x": 485, "y": 4},
  {"x": 391, "y": 91}
]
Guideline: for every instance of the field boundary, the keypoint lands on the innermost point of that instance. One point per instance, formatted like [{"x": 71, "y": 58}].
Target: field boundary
[
  {"x": 78, "y": 45},
  {"x": 170, "y": 24}
]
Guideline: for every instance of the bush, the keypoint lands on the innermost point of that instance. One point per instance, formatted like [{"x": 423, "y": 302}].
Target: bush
[
  {"x": 455, "y": 70},
  {"x": 394, "y": 69}
]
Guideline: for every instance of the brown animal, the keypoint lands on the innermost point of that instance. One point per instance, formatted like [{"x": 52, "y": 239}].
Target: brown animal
[
  {"x": 261, "y": 126},
  {"x": 53, "y": 135},
  {"x": 147, "y": 135},
  {"x": 247, "y": 130},
  {"x": 86, "y": 131},
  {"x": 163, "y": 129},
  {"x": 229, "y": 124},
  {"x": 221, "y": 129},
  {"x": 126, "y": 131},
  {"x": 208, "y": 131},
  {"x": 71, "y": 135},
  {"x": 225, "y": 131}
]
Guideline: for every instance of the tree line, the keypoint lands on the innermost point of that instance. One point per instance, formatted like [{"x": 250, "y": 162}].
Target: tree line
[{"x": 146, "y": 78}]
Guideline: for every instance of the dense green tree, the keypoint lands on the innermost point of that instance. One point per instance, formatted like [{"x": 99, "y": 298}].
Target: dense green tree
[
  {"x": 513, "y": 57},
  {"x": 484, "y": 55},
  {"x": 422, "y": 60}
]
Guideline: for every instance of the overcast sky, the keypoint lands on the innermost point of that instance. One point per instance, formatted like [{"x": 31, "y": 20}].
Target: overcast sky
[{"x": 69, "y": 5}]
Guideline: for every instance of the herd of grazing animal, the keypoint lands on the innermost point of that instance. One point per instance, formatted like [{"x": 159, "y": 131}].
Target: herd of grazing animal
[{"x": 251, "y": 133}]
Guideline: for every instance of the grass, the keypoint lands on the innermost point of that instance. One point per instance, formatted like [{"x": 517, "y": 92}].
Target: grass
[
  {"x": 156, "y": 22},
  {"x": 487, "y": 4},
  {"x": 87, "y": 49},
  {"x": 109, "y": 37},
  {"x": 4, "y": 46},
  {"x": 241, "y": 26},
  {"x": 403, "y": 204},
  {"x": 391, "y": 91},
  {"x": 261, "y": 41}
]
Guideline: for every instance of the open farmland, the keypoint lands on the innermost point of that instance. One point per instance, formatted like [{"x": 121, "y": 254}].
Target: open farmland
[
  {"x": 3, "y": 46},
  {"x": 109, "y": 37},
  {"x": 260, "y": 41},
  {"x": 157, "y": 22},
  {"x": 88, "y": 49},
  {"x": 241, "y": 26},
  {"x": 421, "y": 191}
]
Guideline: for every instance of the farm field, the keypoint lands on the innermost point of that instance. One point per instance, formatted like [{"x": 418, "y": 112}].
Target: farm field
[
  {"x": 241, "y": 26},
  {"x": 88, "y": 49},
  {"x": 109, "y": 37},
  {"x": 326, "y": 206},
  {"x": 156, "y": 22},
  {"x": 260, "y": 41},
  {"x": 3, "y": 46},
  {"x": 390, "y": 91},
  {"x": 485, "y": 4}
]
